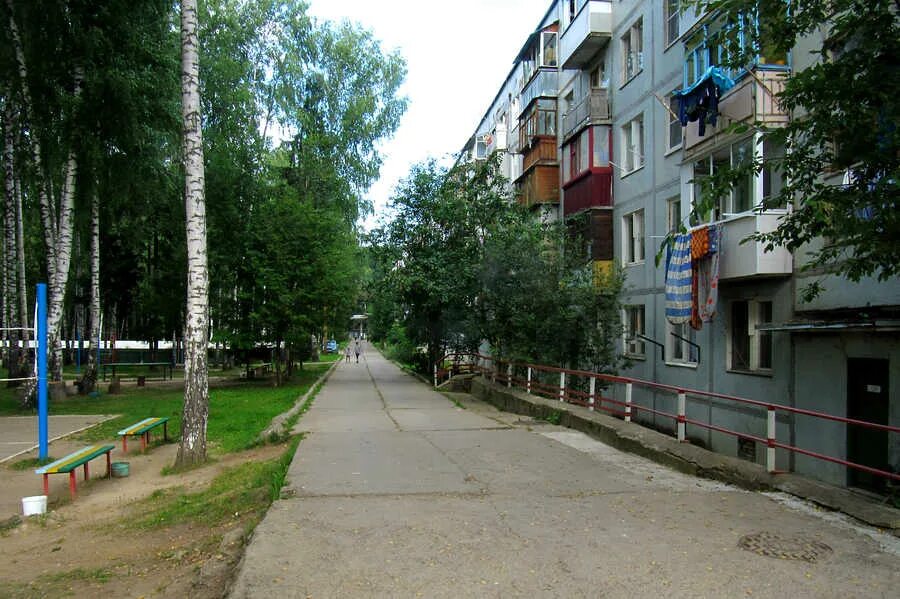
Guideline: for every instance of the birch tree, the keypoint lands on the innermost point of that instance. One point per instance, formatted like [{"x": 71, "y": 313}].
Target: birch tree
[
  {"x": 57, "y": 214},
  {"x": 9, "y": 249},
  {"x": 196, "y": 383}
]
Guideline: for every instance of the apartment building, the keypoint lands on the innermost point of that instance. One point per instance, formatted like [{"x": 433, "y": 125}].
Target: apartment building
[{"x": 589, "y": 126}]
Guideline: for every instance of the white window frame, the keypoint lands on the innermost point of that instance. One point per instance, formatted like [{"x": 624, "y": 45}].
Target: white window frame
[
  {"x": 726, "y": 207},
  {"x": 673, "y": 120},
  {"x": 633, "y": 240},
  {"x": 673, "y": 213},
  {"x": 633, "y": 51},
  {"x": 543, "y": 57},
  {"x": 756, "y": 338},
  {"x": 678, "y": 351},
  {"x": 671, "y": 14},
  {"x": 633, "y": 145},
  {"x": 632, "y": 345}
]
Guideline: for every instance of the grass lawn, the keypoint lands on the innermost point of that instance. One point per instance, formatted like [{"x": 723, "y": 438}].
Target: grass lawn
[{"x": 236, "y": 414}]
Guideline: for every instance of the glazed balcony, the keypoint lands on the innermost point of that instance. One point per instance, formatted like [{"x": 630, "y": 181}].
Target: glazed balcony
[
  {"x": 591, "y": 190},
  {"x": 588, "y": 33},
  {"x": 543, "y": 84}
]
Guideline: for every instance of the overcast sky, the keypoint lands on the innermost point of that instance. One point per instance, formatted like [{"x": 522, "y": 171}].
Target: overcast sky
[{"x": 458, "y": 53}]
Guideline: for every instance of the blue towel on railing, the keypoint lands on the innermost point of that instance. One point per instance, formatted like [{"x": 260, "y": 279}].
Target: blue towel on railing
[{"x": 678, "y": 281}]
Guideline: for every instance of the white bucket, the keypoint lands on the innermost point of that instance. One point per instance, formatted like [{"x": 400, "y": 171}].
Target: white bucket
[{"x": 35, "y": 505}]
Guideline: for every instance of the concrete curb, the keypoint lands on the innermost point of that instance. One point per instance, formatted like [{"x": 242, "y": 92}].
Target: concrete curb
[
  {"x": 684, "y": 457},
  {"x": 277, "y": 425}
]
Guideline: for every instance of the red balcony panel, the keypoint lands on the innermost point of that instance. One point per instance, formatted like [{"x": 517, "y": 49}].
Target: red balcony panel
[{"x": 593, "y": 190}]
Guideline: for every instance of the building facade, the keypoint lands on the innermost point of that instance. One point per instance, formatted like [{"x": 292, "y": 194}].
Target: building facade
[{"x": 590, "y": 133}]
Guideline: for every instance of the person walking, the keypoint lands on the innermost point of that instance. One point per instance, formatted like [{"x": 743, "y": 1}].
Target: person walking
[
  {"x": 358, "y": 350},
  {"x": 347, "y": 353}
]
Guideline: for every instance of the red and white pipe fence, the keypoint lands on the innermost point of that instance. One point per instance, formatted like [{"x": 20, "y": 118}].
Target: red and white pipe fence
[{"x": 536, "y": 379}]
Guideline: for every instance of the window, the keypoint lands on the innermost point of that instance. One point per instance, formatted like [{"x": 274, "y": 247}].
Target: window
[
  {"x": 588, "y": 150},
  {"x": 601, "y": 145},
  {"x": 633, "y": 51},
  {"x": 481, "y": 147},
  {"x": 633, "y": 237},
  {"x": 673, "y": 214},
  {"x": 569, "y": 11},
  {"x": 633, "y": 145},
  {"x": 681, "y": 344},
  {"x": 599, "y": 79},
  {"x": 540, "y": 119},
  {"x": 750, "y": 350},
  {"x": 742, "y": 192},
  {"x": 673, "y": 134},
  {"x": 772, "y": 174},
  {"x": 548, "y": 49},
  {"x": 742, "y": 197},
  {"x": 633, "y": 320},
  {"x": 672, "y": 10}
]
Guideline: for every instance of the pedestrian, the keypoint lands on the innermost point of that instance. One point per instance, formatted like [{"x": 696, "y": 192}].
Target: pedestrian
[
  {"x": 347, "y": 353},
  {"x": 358, "y": 351}
]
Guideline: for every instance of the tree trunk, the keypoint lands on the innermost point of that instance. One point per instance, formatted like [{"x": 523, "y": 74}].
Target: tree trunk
[
  {"x": 57, "y": 233},
  {"x": 57, "y": 287},
  {"x": 95, "y": 283},
  {"x": 196, "y": 329},
  {"x": 20, "y": 259},
  {"x": 10, "y": 286}
]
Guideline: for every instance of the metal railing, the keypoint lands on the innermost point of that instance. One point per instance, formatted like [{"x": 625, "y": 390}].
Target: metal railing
[
  {"x": 593, "y": 108},
  {"x": 592, "y": 390}
]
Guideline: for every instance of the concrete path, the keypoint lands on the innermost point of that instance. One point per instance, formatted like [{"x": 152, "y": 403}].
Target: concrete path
[
  {"x": 19, "y": 434},
  {"x": 397, "y": 492}
]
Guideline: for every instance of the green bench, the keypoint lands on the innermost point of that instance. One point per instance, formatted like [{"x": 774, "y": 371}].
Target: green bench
[
  {"x": 143, "y": 429},
  {"x": 71, "y": 462}
]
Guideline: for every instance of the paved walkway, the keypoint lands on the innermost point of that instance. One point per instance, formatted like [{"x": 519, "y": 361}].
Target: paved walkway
[{"x": 397, "y": 492}]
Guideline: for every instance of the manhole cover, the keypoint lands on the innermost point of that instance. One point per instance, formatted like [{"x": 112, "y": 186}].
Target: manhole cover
[{"x": 794, "y": 548}]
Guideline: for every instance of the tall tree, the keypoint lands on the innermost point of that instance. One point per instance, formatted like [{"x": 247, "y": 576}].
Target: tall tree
[
  {"x": 842, "y": 165},
  {"x": 196, "y": 330}
]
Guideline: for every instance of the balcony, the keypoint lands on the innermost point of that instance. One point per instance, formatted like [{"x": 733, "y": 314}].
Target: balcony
[
  {"x": 587, "y": 34},
  {"x": 752, "y": 100},
  {"x": 746, "y": 260},
  {"x": 543, "y": 84},
  {"x": 593, "y": 109},
  {"x": 539, "y": 185},
  {"x": 541, "y": 150},
  {"x": 592, "y": 190}
]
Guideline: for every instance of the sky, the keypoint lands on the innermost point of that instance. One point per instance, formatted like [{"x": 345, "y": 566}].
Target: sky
[{"x": 458, "y": 54}]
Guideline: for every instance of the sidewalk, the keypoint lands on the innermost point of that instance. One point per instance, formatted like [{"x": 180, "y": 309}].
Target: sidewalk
[{"x": 397, "y": 492}]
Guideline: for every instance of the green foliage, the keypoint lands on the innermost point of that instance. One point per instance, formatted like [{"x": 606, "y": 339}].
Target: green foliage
[
  {"x": 237, "y": 414},
  {"x": 461, "y": 262},
  {"x": 842, "y": 170}
]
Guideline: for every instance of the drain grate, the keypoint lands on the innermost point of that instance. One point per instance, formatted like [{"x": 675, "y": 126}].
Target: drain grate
[{"x": 793, "y": 548}]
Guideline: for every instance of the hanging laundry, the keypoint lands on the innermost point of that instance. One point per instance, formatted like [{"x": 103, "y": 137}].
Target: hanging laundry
[
  {"x": 678, "y": 281},
  {"x": 699, "y": 243},
  {"x": 700, "y": 101},
  {"x": 708, "y": 276},
  {"x": 695, "y": 321}
]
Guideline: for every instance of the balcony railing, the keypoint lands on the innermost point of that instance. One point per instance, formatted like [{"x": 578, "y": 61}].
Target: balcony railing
[
  {"x": 587, "y": 34},
  {"x": 593, "y": 109},
  {"x": 745, "y": 260},
  {"x": 544, "y": 84}
]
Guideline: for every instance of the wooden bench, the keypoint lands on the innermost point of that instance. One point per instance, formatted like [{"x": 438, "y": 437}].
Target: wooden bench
[
  {"x": 71, "y": 462},
  {"x": 143, "y": 429}
]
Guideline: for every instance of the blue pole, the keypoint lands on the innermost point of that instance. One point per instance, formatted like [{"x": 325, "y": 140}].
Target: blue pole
[{"x": 41, "y": 347}]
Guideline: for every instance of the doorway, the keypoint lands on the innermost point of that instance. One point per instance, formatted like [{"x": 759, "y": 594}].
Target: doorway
[{"x": 867, "y": 399}]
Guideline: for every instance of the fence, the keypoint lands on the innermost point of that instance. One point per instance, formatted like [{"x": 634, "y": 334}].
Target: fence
[{"x": 593, "y": 391}]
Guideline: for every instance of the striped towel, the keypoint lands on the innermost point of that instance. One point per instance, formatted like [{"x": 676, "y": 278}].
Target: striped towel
[{"x": 678, "y": 281}]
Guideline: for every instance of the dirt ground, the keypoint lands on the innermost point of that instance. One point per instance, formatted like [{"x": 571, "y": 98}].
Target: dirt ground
[{"x": 80, "y": 549}]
